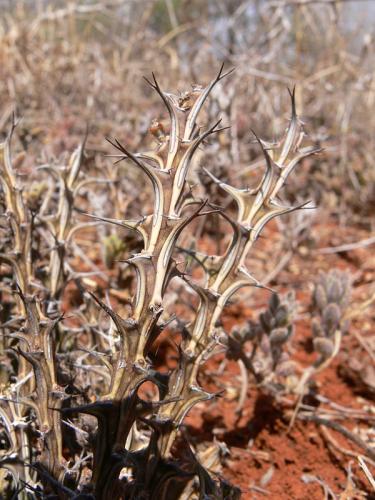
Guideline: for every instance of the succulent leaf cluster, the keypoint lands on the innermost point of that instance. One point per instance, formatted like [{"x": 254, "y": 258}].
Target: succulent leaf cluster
[
  {"x": 330, "y": 300},
  {"x": 262, "y": 345}
]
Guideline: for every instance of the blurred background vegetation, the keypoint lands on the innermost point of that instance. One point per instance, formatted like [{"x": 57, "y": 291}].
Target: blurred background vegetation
[{"x": 65, "y": 65}]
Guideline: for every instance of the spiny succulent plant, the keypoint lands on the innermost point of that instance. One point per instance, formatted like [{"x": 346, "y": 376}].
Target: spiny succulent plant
[
  {"x": 35, "y": 246},
  {"x": 129, "y": 452}
]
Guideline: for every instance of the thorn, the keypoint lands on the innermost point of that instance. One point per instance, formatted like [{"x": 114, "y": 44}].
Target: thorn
[
  {"x": 292, "y": 94},
  {"x": 220, "y": 75}
]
